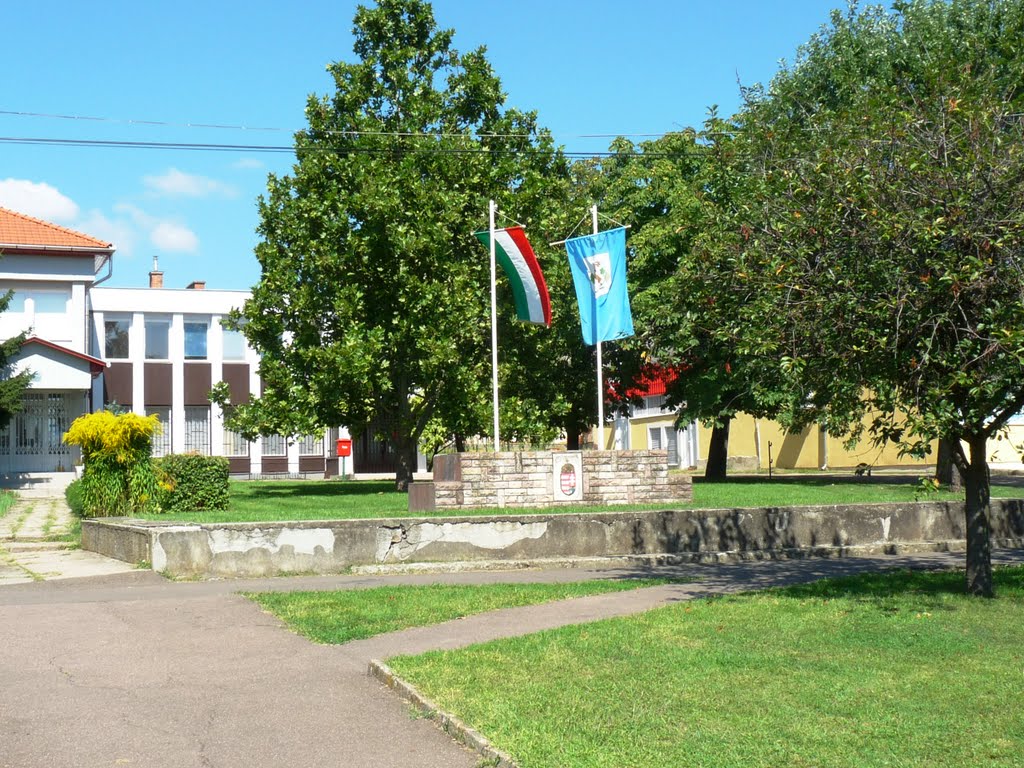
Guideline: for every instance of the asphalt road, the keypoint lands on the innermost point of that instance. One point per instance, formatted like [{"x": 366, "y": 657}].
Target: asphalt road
[{"x": 133, "y": 670}]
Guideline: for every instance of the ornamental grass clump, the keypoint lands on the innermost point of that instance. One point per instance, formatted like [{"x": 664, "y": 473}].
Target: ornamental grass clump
[{"x": 118, "y": 478}]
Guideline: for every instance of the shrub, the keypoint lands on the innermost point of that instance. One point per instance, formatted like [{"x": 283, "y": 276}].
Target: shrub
[
  {"x": 190, "y": 482},
  {"x": 73, "y": 494},
  {"x": 118, "y": 477}
]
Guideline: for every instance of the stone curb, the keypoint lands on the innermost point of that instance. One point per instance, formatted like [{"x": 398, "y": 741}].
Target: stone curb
[{"x": 450, "y": 724}]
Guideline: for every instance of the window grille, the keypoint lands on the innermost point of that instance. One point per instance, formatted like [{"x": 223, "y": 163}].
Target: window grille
[
  {"x": 197, "y": 429},
  {"x": 311, "y": 445},
  {"x": 274, "y": 445},
  {"x": 161, "y": 444}
]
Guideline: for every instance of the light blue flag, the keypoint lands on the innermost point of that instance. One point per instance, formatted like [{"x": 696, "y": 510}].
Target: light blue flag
[{"x": 598, "y": 264}]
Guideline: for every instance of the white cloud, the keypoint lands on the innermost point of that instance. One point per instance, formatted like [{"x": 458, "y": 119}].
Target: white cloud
[
  {"x": 121, "y": 233},
  {"x": 37, "y": 199},
  {"x": 175, "y": 183},
  {"x": 248, "y": 163},
  {"x": 165, "y": 234},
  {"x": 169, "y": 236}
]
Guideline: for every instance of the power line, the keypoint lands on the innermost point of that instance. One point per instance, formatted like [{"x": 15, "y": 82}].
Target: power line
[
  {"x": 231, "y": 127},
  {"x": 287, "y": 149}
]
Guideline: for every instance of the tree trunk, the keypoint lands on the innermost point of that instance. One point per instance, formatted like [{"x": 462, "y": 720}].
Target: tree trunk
[
  {"x": 460, "y": 443},
  {"x": 572, "y": 439},
  {"x": 979, "y": 527},
  {"x": 718, "y": 452},
  {"x": 945, "y": 468},
  {"x": 405, "y": 453}
]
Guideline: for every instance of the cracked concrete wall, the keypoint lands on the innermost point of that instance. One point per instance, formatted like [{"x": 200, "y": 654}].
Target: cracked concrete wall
[{"x": 264, "y": 549}]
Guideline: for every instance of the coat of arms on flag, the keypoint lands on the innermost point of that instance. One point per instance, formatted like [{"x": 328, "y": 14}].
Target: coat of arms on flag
[{"x": 598, "y": 264}]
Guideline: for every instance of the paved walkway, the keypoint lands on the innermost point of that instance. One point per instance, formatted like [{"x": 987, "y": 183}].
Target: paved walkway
[
  {"x": 132, "y": 670},
  {"x": 31, "y": 548}
]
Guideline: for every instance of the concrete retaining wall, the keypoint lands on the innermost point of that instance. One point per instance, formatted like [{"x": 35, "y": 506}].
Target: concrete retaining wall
[{"x": 264, "y": 549}]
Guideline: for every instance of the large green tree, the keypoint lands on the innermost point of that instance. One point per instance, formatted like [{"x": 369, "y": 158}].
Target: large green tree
[
  {"x": 886, "y": 243},
  {"x": 686, "y": 296},
  {"x": 373, "y": 300}
]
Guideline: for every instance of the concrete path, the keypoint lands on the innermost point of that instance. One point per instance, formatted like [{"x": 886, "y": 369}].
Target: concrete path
[
  {"x": 132, "y": 670},
  {"x": 31, "y": 548}
]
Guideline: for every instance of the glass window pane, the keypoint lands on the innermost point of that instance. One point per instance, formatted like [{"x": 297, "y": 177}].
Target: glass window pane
[
  {"x": 195, "y": 341},
  {"x": 234, "y": 345},
  {"x": 274, "y": 445},
  {"x": 197, "y": 429},
  {"x": 52, "y": 302},
  {"x": 157, "y": 332},
  {"x": 311, "y": 445},
  {"x": 161, "y": 444},
  {"x": 116, "y": 339}
]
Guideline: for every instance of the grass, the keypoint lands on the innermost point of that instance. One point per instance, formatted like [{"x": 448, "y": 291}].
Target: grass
[
  {"x": 273, "y": 500},
  {"x": 354, "y": 614},
  {"x": 880, "y": 670},
  {"x": 6, "y": 501}
]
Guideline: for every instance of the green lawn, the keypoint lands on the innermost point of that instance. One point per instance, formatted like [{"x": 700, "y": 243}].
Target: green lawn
[
  {"x": 883, "y": 670},
  {"x": 266, "y": 500},
  {"x": 353, "y": 614}
]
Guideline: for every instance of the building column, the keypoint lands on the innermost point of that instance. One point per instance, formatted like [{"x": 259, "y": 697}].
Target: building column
[{"x": 176, "y": 353}]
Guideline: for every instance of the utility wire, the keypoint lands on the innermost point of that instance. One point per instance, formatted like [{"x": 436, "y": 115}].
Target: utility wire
[
  {"x": 287, "y": 149},
  {"x": 222, "y": 126}
]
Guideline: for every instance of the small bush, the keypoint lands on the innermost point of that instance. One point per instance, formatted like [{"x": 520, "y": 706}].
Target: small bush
[
  {"x": 190, "y": 482},
  {"x": 75, "y": 499}
]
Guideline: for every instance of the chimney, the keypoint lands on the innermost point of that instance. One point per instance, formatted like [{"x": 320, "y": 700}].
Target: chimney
[
  {"x": 196, "y": 285},
  {"x": 156, "y": 277}
]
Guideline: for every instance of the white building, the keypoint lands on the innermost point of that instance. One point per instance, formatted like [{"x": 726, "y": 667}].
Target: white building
[{"x": 151, "y": 350}]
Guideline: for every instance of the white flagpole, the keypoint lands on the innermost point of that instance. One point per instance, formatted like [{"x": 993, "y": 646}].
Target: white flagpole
[
  {"x": 494, "y": 331},
  {"x": 600, "y": 364}
]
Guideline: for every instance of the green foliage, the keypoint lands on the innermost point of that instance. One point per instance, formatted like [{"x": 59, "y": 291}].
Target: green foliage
[
  {"x": 191, "y": 482},
  {"x": 882, "y": 235},
  {"x": 12, "y": 388},
  {"x": 372, "y": 304},
  {"x": 74, "y": 495},
  {"x": 118, "y": 478}
]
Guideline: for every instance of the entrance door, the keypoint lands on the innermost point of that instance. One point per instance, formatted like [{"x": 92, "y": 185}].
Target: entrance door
[{"x": 32, "y": 442}]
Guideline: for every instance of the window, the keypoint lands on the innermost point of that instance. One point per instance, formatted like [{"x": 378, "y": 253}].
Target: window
[
  {"x": 667, "y": 438},
  {"x": 50, "y": 302},
  {"x": 234, "y": 443},
  {"x": 115, "y": 334},
  {"x": 161, "y": 445},
  {"x": 195, "y": 341},
  {"x": 234, "y": 345},
  {"x": 197, "y": 429},
  {"x": 311, "y": 445},
  {"x": 157, "y": 332},
  {"x": 274, "y": 445}
]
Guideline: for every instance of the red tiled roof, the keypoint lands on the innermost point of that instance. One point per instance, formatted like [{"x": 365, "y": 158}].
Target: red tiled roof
[{"x": 21, "y": 230}]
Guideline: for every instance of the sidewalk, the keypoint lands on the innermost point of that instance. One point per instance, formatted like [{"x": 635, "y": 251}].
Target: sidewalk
[
  {"x": 134, "y": 670},
  {"x": 31, "y": 545}
]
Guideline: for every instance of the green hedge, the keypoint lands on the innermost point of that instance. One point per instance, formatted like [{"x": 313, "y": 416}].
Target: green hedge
[
  {"x": 190, "y": 482},
  {"x": 76, "y": 501}
]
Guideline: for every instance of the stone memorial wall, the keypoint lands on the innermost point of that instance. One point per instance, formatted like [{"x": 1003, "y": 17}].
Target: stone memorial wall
[{"x": 549, "y": 479}]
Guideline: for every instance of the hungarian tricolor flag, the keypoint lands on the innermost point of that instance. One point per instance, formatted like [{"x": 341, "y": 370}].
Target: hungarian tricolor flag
[{"x": 529, "y": 291}]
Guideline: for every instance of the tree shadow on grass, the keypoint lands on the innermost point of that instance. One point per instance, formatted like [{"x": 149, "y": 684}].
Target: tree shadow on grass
[
  {"x": 930, "y": 586},
  {"x": 271, "y": 489}
]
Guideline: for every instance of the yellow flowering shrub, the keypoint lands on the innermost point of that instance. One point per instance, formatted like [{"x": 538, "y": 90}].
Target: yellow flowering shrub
[{"x": 118, "y": 476}]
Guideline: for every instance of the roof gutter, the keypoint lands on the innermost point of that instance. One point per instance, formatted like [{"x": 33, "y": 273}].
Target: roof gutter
[
  {"x": 109, "y": 251},
  {"x": 110, "y": 270}
]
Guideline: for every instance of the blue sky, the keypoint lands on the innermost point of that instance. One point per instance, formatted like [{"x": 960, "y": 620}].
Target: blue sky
[{"x": 597, "y": 67}]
